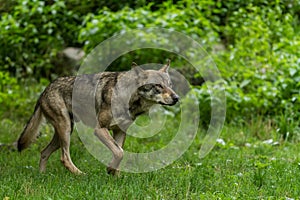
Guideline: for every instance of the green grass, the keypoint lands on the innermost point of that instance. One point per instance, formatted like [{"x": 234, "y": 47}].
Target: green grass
[{"x": 244, "y": 168}]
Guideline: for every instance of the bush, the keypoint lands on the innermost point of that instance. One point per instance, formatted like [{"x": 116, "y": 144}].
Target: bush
[
  {"x": 18, "y": 100},
  {"x": 263, "y": 67},
  {"x": 32, "y": 34},
  {"x": 179, "y": 17}
]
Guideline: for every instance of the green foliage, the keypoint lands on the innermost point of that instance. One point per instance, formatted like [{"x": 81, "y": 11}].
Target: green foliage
[
  {"x": 261, "y": 66},
  {"x": 179, "y": 17},
  {"x": 92, "y": 6},
  {"x": 176, "y": 17},
  {"x": 17, "y": 99},
  {"x": 8, "y": 92},
  {"x": 6, "y": 6},
  {"x": 31, "y": 35}
]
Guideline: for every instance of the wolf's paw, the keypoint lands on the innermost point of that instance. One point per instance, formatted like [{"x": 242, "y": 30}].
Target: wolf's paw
[
  {"x": 79, "y": 173},
  {"x": 113, "y": 171}
]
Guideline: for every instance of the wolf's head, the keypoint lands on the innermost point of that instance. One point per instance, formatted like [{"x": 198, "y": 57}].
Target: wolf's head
[{"x": 158, "y": 86}]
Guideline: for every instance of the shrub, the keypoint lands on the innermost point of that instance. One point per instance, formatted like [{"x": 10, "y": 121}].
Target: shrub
[
  {"x": 32, "y": 33},
  {"x": 179, "y": 17},
  {"x": 262, "y": 66}
]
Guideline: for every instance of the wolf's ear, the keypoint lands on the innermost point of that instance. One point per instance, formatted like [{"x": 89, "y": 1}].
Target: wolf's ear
[
  {"x": 165, "y": 68},
  {"x": 133, "y": 65},
  {"x": 136, "y": 68}
]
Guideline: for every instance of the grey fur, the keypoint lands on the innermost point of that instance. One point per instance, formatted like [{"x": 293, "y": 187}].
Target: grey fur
[{"x": 119, "y": 98}]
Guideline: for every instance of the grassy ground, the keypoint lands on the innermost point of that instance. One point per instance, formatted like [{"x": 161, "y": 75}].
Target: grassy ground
[{"x": 245, "y": 167}]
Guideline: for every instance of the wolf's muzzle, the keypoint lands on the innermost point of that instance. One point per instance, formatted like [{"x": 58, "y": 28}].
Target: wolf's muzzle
[
  {"x": 175, "y": 99},
  {"x": 172, "y": 101}
]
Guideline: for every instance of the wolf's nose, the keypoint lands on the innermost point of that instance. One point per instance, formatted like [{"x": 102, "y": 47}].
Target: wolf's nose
[{"x": 175, "y": 98}]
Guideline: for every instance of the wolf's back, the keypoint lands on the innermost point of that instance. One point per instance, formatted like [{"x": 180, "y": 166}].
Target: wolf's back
[{"x": 31, "y": 130}]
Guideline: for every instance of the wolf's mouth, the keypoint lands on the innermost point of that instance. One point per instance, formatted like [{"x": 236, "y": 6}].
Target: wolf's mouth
[
  {"x": 169, "y": 104},
  {"x": 165, "y": 104}
]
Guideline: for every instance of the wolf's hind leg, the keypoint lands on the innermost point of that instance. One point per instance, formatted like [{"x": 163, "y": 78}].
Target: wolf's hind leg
[
  {"x": 46, "y": 153},
  {"x": 64, "y": 132},
  {"x": 116, "y": 149},
  {"x": 63, "y": 125}
]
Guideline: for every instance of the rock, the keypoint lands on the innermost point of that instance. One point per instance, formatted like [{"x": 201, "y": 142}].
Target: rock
[{"x": 68, "y": 61}]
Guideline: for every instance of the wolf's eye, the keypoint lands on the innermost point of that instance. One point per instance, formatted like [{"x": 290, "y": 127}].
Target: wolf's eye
[
  {"x": 147, "y": 87},
  {"x": 158, "y": 88}
]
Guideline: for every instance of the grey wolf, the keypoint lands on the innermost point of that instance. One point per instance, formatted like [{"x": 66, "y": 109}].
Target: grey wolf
[{"x": 115, "y": 108}]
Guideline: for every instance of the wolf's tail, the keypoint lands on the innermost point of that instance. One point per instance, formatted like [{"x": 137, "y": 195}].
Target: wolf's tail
[{"x": 31, "y": 130}]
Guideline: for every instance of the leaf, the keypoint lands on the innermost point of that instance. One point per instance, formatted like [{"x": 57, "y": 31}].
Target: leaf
[
  {"x": 245, "y": 83},
  {"x": 292, "y": 71}
]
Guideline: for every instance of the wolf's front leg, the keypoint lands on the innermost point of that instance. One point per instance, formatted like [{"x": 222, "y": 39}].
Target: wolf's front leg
[{"x": 116, "y": 149}]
